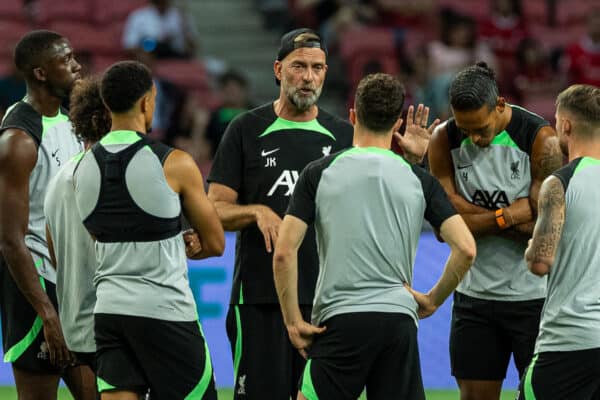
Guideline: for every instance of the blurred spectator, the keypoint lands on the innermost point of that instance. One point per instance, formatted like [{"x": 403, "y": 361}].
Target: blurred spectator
[
  {"x": 168, "y": 98},
  {"x": 234, "y": 95},
  {"x": 457, "y": 48},
  {"x": 534, "y": 76},
  {"x": 504, "y": 28},
  {"x": 162, "y": 30},
  {"x": 458, "y": 45},
  {"x": 188, "y": 132},
  {"x": 405, "y": 13},
  {"x": 421, "y": 87},
  {"x": 12, "y": 89},
  {"x": 349, "y": 14},
  {"x": 583, "y": 57}
]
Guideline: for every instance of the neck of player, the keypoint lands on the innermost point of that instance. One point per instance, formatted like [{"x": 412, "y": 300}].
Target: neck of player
[
  {"x": 366, "y": 138},
  {"x": 584, "y": 148},
  {"x": 286, "y": 110},
  {"x": 128, "y": 122},
  {"x": 42, "y": 101}
]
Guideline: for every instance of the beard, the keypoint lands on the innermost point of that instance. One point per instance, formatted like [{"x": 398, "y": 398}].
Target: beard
[{"x": 302, "y": 101}]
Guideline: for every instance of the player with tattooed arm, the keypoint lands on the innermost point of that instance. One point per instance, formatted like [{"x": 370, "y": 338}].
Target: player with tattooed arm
[{"x": 565, "y": 247}]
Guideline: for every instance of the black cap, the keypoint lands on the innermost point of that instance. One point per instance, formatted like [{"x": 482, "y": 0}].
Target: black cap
[{"x": 291, "y": 41}]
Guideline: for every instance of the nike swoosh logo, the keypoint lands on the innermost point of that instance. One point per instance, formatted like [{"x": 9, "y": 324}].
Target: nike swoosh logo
[
  {"x": 464, "y": 166},
  {"x": 266, "y": 153}
]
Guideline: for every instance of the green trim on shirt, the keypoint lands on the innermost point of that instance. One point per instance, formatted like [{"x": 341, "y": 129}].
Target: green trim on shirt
[{"x": 281, "y": 124}]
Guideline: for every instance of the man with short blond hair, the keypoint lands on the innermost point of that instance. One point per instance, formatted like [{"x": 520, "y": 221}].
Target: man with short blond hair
[{"x": 564, "y": 246}]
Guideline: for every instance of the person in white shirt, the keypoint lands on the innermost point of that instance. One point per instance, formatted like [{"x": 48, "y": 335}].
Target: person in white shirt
[{"x": 162, "y": 30}]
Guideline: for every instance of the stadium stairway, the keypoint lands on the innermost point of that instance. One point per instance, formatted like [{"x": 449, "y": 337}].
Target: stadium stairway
[{"x": 232, "y": 31}]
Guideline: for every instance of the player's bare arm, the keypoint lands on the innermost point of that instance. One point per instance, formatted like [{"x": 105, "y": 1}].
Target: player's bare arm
[
  {"x": 480, "y": 221},
  {"x": 18, "y": 156},
  {"x": 285, "y": 270},
  {"x": 415, "y": 141},
  {"x": 548, "y": 227},
  {"x": 236, "y": 217},
  {"x": 184, "y": 178},
  {"x": 546, "y": 158},
  {"x": 455, "y": 232}
]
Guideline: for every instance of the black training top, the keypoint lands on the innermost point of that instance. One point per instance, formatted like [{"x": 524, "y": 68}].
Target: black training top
[{"x": 261, "y": 157}]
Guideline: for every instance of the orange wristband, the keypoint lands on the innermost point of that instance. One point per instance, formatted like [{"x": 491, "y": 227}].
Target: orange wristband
[{"x": 500, "y": 219}]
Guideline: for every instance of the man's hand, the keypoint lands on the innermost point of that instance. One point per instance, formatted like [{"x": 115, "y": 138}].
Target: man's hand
[
  {"x": 301, "y": 335},
  {"x": 268, "y": 222},
  {"x": 192, "y": 243},
  {"x": 425, "y": 302},
  {"x": 59, "y": 353},
  {"x": 415, "y": 141}
]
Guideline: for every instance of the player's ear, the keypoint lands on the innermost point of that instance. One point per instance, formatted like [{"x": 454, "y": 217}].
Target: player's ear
[
  {"x": 352, "y": 116},
  {"x": 567, "y": 127},
  {"x": 500, "y": 104},
  {"x": 144, "y": 103},
  {"x": 277, "y": 66},
  {"x": 397, "y": 124},
  {"x": 39, "y": 74}
]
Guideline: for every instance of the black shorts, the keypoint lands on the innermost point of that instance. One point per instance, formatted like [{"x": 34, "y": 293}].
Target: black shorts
[
  {"x": 22, "y": 332},
  {"x": 484, "y": 334},
  {"x": 562, "y": 375},
  {"x": 88, "y": 359},
  {"x": 266, "y": 365},
  {"x": 376, "y": 350},
  {"x": 169, "y": 358}
]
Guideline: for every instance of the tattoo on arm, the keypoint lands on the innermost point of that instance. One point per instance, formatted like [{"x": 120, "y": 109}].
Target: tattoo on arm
[
  {"x": 548, "y": 160},
  {"x": 548, "y": 228},
  {"x": 551, "y": 158}
]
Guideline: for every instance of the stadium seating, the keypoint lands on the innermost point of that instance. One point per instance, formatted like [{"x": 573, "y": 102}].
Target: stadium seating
[
  {"x": 574, "y": 12},
  {"x": 189, "y": 75},
  {"x": 53, "y": 10},
  {"x": 114, "y": 11},
  {"x": 85, "y": 36},
  {"x": 10, "y": 33},
  {"x": 11, "y": 10}
]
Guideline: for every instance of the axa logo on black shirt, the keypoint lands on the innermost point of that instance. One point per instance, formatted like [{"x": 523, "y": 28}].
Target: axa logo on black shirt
[
  {"x": 287, "y": 180},
  {"x": 490, "y": 199}
]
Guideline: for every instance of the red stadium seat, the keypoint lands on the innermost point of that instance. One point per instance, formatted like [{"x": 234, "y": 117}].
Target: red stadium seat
[
  {"x": 544, "y": 106},
  {"x": 552, "y": 37},
  {"x": 206, "y": 98},
  {"x": 535, "y": 11},
  {"x": 65, "y": 10},
  {"x": 189, "y": 75},
  {"x": 356, "y": 67},
  {"x": 10, "y": 33},
  {"x": 6, "y": 66},
  {"x": 367, "y": 41},
  {"x": 12, "y": 10},
  {"x": 100, "y": 63},
  {"x": 574, "y": 11},
  {"x": 87, "y": 37},
  {"x": 113, "y": 11}
]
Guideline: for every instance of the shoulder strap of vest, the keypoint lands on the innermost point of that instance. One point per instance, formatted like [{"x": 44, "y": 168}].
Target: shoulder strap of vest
[
  {"x": 161, "y": 150},
  {"x": 112, "y": 165}
]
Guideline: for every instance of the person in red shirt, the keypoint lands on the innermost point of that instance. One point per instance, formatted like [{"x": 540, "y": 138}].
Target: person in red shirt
[
  {"x": 583, "y": 57},
  {"x": 504, "y": 28}
]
